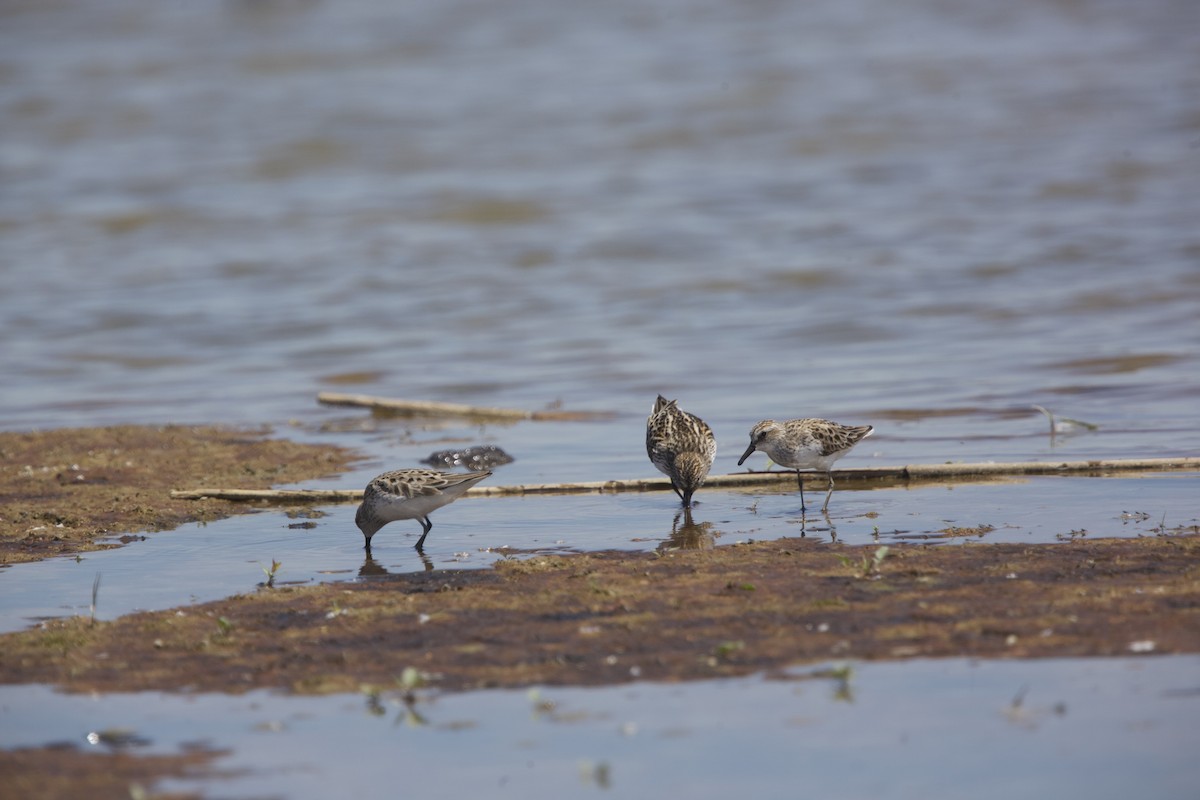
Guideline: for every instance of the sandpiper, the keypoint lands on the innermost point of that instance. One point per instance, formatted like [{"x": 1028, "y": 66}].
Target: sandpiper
[
  {"x": 805, "y": 444},
  {"x": 681, "y": 445},
  {"x": 410, "y": 494}
]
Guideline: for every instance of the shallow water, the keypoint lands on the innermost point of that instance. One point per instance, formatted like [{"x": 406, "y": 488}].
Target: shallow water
[
  {"x": 922, "y": 216},
  {"x": 1100, "y": 728},
  {"x": 197, "y": 563},
  {"x": 928, "y": 222}
]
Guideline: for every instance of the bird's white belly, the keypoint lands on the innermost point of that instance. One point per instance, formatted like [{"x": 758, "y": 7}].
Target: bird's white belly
[
  {"x": 800, "y": 457},
  {"x": 394, "y": 508}
]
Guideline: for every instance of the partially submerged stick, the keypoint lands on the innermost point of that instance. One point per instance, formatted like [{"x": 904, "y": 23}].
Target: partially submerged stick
[
  {"x": 913, "y": 473},
  {"x": 429, "y": 408}
]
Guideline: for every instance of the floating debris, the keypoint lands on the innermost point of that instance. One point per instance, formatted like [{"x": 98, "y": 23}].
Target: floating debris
[
  {"x": 431, "y": 408},
  {"x": 118, "y": 738},
  {"x": 480, "y": 457}
]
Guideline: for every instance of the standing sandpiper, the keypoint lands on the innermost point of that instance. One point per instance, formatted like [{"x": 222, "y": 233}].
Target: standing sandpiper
[
  {"x": 410, "y": 494},
  {"x": 681, "y": 445},
  {"x": 805, "y": 444}
]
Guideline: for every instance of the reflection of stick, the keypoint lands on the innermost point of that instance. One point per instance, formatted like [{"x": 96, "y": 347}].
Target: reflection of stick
[
  {"x": 914, "y": 473},
  {"x": 95, "y": 596},
  {"x": 1063, "y": 424},
  {"x": 428, "y": 408}
]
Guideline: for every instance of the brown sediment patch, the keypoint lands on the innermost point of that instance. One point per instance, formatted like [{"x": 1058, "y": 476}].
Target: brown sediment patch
[
  {"x": 955, "y": 531},
  {"x": 63, "y": 771},
  {"x": 62, "y": 490},
  {"x": 611, "y": 617}
]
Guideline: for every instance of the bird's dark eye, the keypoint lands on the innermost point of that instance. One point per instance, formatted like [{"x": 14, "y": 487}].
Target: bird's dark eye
[{"x": 762, "y": 435}]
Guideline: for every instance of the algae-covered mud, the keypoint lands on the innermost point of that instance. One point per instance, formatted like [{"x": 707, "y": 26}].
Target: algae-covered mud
[
  {"x": 63, "y": 491},
  {"x": 590, "y": 618},
  {"x": 608, "y": 618},
  {"x": 61, "y": 771},
  {"x": 613, "y": 617}
]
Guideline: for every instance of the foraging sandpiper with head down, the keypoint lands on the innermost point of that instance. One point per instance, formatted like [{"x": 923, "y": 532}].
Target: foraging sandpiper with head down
[
  {"x": 681, "y": 445},
  {"x": 805, "y": 444},
  {"x": 410, "y": 494}
]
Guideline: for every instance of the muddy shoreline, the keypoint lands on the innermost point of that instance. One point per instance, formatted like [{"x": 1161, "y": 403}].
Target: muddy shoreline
[
  {"x": 590, "y": 619},
  {"x": 584, "y": 619},
  {"x": 64, "y": 490},
  {"x": 613, "y": 617}
]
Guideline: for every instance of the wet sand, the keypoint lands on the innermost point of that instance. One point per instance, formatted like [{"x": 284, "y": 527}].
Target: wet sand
[
  {"x": 64, "y": 490},
  {"x": 583, "y": 619},
  {"x": 588, "y": 619},
  {"x": 61, "y": 771},
  {"x": 611, "y": 617}
]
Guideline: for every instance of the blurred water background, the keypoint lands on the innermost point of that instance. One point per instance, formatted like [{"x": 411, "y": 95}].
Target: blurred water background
[{"x": 923, "y": 215}]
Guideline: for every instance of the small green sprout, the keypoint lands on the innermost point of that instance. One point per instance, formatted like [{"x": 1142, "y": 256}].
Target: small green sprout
[
  {"x": 270, "y": 573},
  {"x": 411, "y": 678},
  {"x": 868, "y": 566},
  {"x": 726, "y": 649}
]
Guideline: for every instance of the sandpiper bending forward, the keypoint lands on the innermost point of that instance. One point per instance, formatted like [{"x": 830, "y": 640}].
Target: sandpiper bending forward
[{"x": 410, "y": 494}]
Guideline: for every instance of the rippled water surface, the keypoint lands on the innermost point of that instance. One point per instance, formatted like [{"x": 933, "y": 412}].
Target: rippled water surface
[
  {"x": 921, "y": 215},
  {"x": 1098, "y": 728}
]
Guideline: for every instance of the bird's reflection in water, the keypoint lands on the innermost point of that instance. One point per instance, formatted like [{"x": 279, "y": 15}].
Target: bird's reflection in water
[
  {"x": 804, "y": 529},
  {"x": 376, "y": 706},
  {"x": 687, "y": 534},
  {"x": 373, "y": 569}
]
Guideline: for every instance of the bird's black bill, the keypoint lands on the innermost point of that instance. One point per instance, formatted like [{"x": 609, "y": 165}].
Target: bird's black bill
[{"x": 746, "y": 454}]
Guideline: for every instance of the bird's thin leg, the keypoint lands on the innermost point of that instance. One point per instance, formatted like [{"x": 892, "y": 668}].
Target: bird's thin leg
[
  {"x": 686, "y": 497},
  {"x": 830, "y": 493},
  {"x": 426, "y": 526},
  {"x": 800, "y": 483},
  {"x": 367, "y": 545}
]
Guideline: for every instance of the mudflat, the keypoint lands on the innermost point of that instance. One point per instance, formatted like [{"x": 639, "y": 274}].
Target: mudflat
[
  {"x": 611, "y": 617},
  {"x": 588, "y": 619},
  {"x": 64, "y": 490},
  {"x": 596, "y": 618}
]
